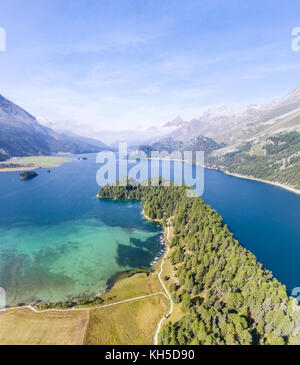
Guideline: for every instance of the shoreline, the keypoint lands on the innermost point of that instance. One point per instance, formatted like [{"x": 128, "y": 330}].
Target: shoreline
[
  {"x": 28, "y": 168},
  {"x": 111, "y": 282},
  {"x": 279, "y": 185},
  {"x": 152, "y": 220},
  {"x": 19, "y": 169},
  {"x": 282, "y": 186},
  {"x": 165, "y": 234}
]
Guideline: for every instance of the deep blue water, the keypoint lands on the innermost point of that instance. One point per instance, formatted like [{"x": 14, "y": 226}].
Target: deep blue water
[{"x": 264, "y": 218}]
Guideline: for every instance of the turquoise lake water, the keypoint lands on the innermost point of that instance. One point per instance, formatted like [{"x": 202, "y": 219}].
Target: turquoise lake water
[{"x": 57, "y": 240}]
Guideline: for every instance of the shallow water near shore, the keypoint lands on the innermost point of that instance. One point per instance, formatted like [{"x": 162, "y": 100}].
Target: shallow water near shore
[{"x": 58, "y": 241}]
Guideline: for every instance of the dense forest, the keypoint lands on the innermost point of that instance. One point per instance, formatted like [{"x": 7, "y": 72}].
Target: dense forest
[
  {"x": 225, "y": 295},
  {"x": 277, "y": 161}
]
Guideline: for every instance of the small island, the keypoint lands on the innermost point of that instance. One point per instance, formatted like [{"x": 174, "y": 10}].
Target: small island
[{"x": 27, "y": 175}]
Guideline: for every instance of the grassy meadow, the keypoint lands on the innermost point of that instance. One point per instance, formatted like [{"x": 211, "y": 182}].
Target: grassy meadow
[
  {"x": 125, "y": 323},
  {"x": 24, "y": 327}
]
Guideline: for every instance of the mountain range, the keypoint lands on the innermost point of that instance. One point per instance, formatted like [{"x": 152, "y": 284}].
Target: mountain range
[
  {"x": 261, "y": 142},
  {"x": 230, "y": 126},
  {"x": 170, "y": 145},
  {"x": 21, "y": 134},
  {"x": 257, "y": 141}
]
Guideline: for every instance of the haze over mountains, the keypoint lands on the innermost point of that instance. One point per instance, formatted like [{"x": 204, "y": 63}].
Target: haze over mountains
[
  {"x": 238, "y": 141},
  {"x": 261, "y": 142},
  {"x": 227, "y": 128},
  {"x": 21, "y": 134},
  {"x": 227, "y": 125}
]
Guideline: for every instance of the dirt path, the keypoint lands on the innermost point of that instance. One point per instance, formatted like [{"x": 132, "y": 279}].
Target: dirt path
[
  {"x": 81, "y": 309},
  {"x": 165, "y": 294},
  {"x": 168, "y": 294}
]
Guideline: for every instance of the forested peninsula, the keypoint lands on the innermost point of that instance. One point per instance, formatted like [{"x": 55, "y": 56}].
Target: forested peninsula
[{"x": 224, "y": 294}]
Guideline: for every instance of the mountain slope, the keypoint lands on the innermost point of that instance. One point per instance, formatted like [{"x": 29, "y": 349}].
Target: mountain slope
[
  {"x": 274, "y": 158},
  {"x": 272, "y": 154},
  {"x": 177, "y": 122},
  {"x": 22, "y": 135},
  {"x": 199, "y": 143},
  {"x": 232, "y": 126},
  {"x": 261, "y": 142}
]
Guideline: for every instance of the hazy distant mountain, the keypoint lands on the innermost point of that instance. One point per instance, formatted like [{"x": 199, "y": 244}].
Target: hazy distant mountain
[
  {"x": 71, "y": 135},
  {"x": 269, "y": 148},
  {"x": 199, "y": 143},
  {"x": 258, "y": 141},
  {"x": 76, "y": 139},
  {"x": 230, "y": 126},
  {"x": 137, "y": 136},
  {"x": 177, "y": 122},
  {"x": 22, "y": 135}
]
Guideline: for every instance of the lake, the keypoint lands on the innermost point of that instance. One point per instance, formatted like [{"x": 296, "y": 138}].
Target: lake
[{"x": 57, "y": 240}]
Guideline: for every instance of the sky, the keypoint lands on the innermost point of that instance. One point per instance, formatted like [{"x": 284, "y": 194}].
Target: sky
[{"x": 101, "y": 65}]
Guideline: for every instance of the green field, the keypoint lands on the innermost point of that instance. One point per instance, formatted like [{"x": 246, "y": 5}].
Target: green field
[
  {"x": 24, "y": 327},
  {"x": 41, "y": 161},
  {"x": 32, "y": 163},
  {"x": 132, "y": 322}
]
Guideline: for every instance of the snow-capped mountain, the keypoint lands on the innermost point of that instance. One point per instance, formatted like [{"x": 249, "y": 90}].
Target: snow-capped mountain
[
  {"x": 23, "y": 135},
  {"x": 177, "y": 122},
  {"x": 229, "y": 125}
]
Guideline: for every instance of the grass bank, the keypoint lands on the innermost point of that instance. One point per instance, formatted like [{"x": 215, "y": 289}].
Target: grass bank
[{"x": 32, "y": 163}]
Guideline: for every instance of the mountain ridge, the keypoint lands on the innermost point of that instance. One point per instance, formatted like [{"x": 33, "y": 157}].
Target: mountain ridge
[
  {"x": 227, "y": 125},
  {"x": 170, "y": 145},
  {"x": 22, "y": 135},
  {"x": 246, "y": 138}
]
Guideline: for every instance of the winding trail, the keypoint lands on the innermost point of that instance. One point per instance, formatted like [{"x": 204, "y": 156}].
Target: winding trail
[
  {"x": 168, "y": 294},
  {"x": 80, "y": 309}
]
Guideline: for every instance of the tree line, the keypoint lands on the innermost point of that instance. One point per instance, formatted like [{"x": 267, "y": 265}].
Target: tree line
[{"x": 225, "y": 295}]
